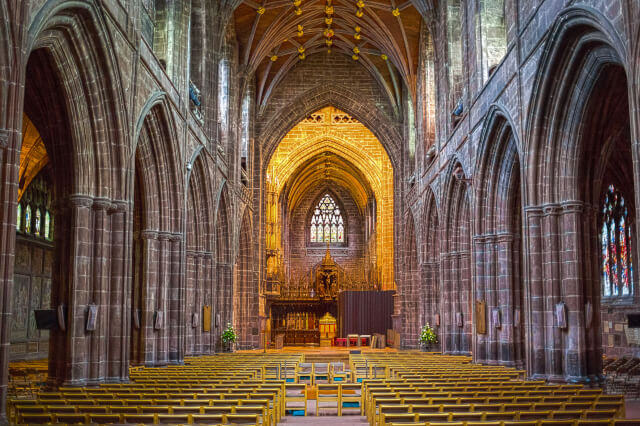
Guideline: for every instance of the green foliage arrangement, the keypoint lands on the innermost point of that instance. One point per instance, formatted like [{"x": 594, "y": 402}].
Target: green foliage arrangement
[
  {"x": 428, "y": 335},
  {"x": 229, "y": 335}
]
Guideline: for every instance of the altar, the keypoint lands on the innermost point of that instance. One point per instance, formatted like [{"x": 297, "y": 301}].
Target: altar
[{"x": 299, "y": 315}]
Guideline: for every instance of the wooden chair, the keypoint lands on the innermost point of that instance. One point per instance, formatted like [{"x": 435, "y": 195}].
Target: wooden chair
[
  {"x": 534, "y": 415},
  {"x": 104, "y": 418},
  {"x": 304, "y": 373},
  {"x": 328, "y": 397},
  {"x": 35, "y": 418},
  {"x": 70, "y": 418},
  {"x": 321, "y": 373},
  {"x": 123, "y": 409},
  {"x": 241, "y": 419},
  {"x": 173, "y": 418},
  {"x": 296, "y": 397},
  {"x": 398, "y": 418},
  {"x": 208, "y": 419},
  {"x": 139, "y": 418},
  {"x": 351, "y": 397}
]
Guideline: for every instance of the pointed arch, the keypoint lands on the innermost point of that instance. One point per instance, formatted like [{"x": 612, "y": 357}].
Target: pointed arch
[
  {"x": 431, "y": 288},
  {"x": 579, "y": 139},
  {"x": 410, "y": 287},
  {"x": 456, "y": 284},
  {"x": 73, "y": 37},
  {"x": 498, "y": 241},
  {"x": 156, "y": 162},
  {"x": 246, "y": 292},
  {"x": 340, "y": 97}
]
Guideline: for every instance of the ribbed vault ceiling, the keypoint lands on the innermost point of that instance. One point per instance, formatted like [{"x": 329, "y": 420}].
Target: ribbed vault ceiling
[{"x": 383, "y": 36}]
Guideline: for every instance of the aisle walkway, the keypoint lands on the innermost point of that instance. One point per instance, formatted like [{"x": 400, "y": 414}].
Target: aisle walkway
[{"x": 324, "y": 420}]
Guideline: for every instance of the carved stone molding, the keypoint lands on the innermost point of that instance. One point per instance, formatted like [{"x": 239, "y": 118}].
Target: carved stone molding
[
  {"x": 101, "y": 204},
  {"x": 4, "y": 138},
  {"x": 80, "y": 200},
  {"x": 149, "y": 235},
  {"x": 119, "y": 206}
]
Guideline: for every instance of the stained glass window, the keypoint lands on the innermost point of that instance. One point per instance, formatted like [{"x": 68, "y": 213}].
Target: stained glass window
[
  {"x": 27, "y": 220},
  {"x": 615, "y": 239},
  {"x": 47, "y": 226},
  {"x": 327, "y": 224},
  {"x": 19, "y": 217},
  {"x": 38, "y": 222}
]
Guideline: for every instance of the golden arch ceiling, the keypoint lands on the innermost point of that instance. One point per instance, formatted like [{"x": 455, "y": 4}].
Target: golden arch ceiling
[
  {"x": 332, "y": 148},
  {"x": 33, "y": 155},
  {"x": 383, "y": 36}
]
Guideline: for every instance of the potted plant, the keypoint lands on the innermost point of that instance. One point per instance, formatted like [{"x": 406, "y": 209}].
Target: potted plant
[
  {"x": 229, "y": 337},
  {"x": 428, "y": 338}
]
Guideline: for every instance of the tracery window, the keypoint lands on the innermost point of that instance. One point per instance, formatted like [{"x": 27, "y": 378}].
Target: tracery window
[
  {"x": 327, "y": 224},
  {"x": 615, "y": 237},
  {"x": 38, "y": 222},
  {"x": 27, "y": 220},
  {"x": 19, "y": 218}
]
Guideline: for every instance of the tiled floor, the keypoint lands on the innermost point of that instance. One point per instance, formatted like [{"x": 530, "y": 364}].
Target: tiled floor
[
  {"x": 632, "y": 409},
  {"x": 324, "y": 420}
]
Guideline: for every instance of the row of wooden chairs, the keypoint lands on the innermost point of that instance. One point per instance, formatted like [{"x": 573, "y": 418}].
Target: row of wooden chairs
[
  {"x": 151, "y": 418},
  {"x": 395, "y": 414},
  {"x": 579, "y": 422}
]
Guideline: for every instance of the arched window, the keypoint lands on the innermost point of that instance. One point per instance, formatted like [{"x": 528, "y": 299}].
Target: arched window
[
  {"x": 38, "y": 222},
  {"x": 327, "y": 225},
  {"x": 47, "y": 226},
  {"x": 615, "y": 237},
  {"x": 19, "y": 218},
  {"x": 27, "y": 220}
]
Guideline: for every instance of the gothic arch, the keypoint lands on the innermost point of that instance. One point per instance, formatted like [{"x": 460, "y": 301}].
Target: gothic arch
[
  {"x": 579, "y": 131},
  {"x": 200, "y": 267},
  {"x": 340, "y": 97},
  {"x": 410, "y": 287},
  {"x": 223, "y": 255},
  {"x": 456, "y": 284},
  {"x": 65, "y": 32},
  {"x": 156, "y": 162},
  {"x": 498, "y": 242},
  {"x": 582, "y": 43},
  {"x": 246, "y": 292},
  {"x": 431, "y": 291}
]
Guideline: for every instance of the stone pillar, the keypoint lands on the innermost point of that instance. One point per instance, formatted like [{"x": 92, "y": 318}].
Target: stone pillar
[
  {"x": 9, "y": 166},
  {"x": 148, "y": 296},
  {"x": 99, "y": 293},
  {"x": 119, "y": 313},
  {"x": 176, "y": 306},
  {"x": 481, "y": 259},
  {"x": 535, "y": 318}
]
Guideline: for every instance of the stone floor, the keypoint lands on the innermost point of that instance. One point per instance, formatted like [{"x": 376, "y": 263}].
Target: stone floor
[
  {"x": 632, "y": 409},
  {"x": 324, "y": 420}
]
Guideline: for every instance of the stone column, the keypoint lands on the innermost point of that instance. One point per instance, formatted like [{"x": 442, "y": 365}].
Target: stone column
[
  {"x": 176, "y": 306},
  {"x": 481, "y": 257},
  {"x": 77, "y": 341},
  {"x": 119, "y": 314},
  {"x": 9, "y": 167},
  {"x": 535, "y": 343},
  {"x": 148, "y": 294},
  {"x": 99, "y": 293}
]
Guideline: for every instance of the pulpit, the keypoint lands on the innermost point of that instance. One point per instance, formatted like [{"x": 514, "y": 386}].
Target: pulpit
[{"x": 327, "y": 330}]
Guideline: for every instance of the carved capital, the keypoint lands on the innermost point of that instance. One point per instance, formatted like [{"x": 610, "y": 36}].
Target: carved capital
[
  {"x": 573, "y": 206},
  {"x": 80, "y": 200},
  {"x": 149, "y": 235},
  {"x": 119, "y": 206},
  {"x": 101, "y": 204}
]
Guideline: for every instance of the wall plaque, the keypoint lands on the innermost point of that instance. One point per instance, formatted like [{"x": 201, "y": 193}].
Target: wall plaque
[
  {"x": 481, "y": 317},
  {"x": 206, "y": 318}
]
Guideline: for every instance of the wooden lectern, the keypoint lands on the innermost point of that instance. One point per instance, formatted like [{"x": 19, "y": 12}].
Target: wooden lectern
[{"x": 327, "y": 330}]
